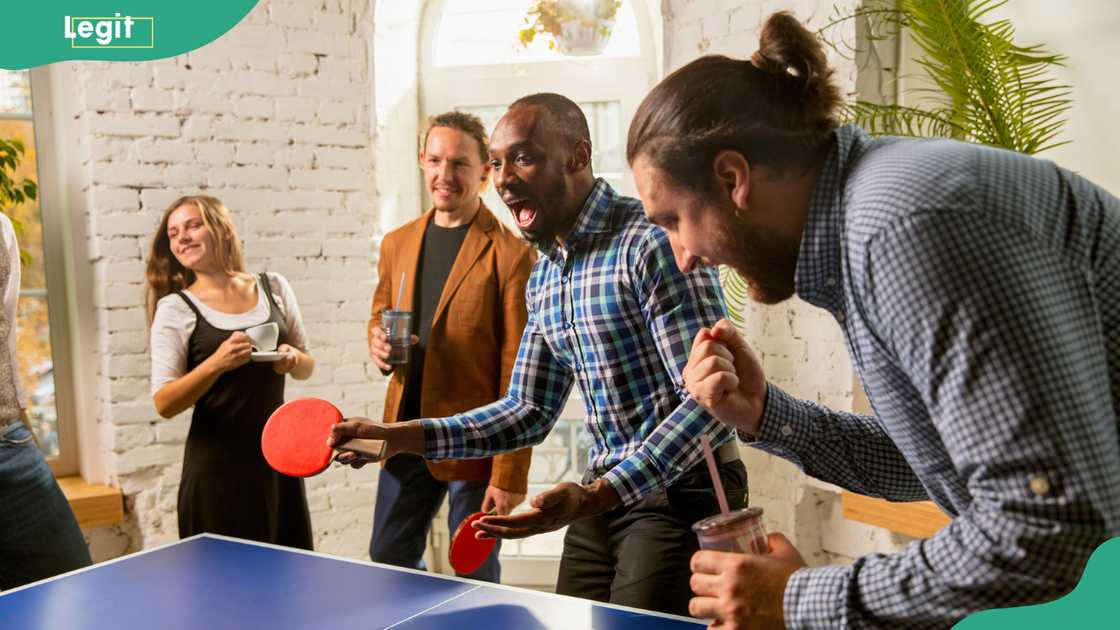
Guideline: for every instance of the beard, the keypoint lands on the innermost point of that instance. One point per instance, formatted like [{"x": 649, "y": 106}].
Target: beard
[{"x": 766, "y": 260}]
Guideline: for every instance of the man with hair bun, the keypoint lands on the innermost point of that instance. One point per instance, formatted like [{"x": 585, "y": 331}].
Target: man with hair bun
[{"x": 978, "y": 291}]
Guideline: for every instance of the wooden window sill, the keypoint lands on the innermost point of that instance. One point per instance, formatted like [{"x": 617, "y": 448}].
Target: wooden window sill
[
  {"x": 94, "y": 505},
  {"x": 921, "y": 519}
]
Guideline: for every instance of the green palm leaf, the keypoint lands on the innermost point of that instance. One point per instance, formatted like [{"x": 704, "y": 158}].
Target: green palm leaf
[
  {"x": 989, "y": 89},
  {"x": 898, "y": 120},
  {"x": 735, "y": 293}
]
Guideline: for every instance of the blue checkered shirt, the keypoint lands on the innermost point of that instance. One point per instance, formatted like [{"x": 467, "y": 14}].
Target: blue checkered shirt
[
  {"x": 979, "y": 295},
  {"x": 611, "y": 312}
]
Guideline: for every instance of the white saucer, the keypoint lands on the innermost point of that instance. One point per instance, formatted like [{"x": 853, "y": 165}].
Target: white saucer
[{"x": 267, "y": 357}]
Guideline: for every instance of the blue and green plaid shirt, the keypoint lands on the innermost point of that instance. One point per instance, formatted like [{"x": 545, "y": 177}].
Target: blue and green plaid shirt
[{"x": 610, "y": 311}]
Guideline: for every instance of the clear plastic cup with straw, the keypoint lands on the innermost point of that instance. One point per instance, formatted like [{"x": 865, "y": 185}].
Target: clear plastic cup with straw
[
  {"x": 397, "y": 325},
  {"x": 739, "y": 531}
]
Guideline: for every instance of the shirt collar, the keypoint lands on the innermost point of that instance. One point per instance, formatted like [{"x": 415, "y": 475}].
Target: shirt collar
[
  {"x": 819, "y": 260},
  {"x": 594, "y": 218}
]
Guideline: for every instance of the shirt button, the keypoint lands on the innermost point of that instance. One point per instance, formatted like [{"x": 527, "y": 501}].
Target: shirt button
[
  {"x": 1040, "y": 486},
  {"x": 787, "y": 430},
  {"x": 830, "y": 282},
  {"x": 563, "y": 279},
  {"x": 568, "y": 325}
]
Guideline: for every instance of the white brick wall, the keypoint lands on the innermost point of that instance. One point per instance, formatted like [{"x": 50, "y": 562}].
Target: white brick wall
[
  {"x": 273, "y": 118},
  {"x": 801, "y": 347}
]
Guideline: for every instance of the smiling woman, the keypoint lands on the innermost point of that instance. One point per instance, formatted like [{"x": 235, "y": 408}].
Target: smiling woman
[{"x": 201, "y": 302}]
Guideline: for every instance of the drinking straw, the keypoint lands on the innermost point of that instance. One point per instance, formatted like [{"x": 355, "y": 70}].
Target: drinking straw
[
  {"x": 400, "y": 294},
  {"x": 716, "y": 483}
]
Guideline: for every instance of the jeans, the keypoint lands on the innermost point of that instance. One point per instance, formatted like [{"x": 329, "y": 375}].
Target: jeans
[
  {"x": 39, "y": 536},
  {"x": 408, "y": 497},
  {"x": 638, "y": 555}
]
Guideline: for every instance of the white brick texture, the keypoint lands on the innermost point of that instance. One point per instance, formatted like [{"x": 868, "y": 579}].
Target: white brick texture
[
  {"x": 273, "y": 118},
  {"x": 243, "y": 119}
]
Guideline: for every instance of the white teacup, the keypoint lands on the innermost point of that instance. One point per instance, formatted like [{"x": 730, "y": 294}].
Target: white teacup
[{"x": 264, "y": 337}]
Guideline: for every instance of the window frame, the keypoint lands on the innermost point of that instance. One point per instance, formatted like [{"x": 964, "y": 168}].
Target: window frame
[{"x": 56, "y": 262}]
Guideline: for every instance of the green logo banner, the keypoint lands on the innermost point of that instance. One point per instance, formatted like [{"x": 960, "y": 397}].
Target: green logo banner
[
  {"x": 44, "y": 32},
  {"x": 1091, "y": 604}
]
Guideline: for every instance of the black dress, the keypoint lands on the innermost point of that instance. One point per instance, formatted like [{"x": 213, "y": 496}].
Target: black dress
[{"x": 227, "y": 487}]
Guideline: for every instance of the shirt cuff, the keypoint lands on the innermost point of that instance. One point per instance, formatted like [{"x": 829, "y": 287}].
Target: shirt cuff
[
  {"x": 816, "y": 598},
  {"x": 785, "y": 426},
  {"x": 672, "y": 448},
  {"x": 631, "y": 478}
]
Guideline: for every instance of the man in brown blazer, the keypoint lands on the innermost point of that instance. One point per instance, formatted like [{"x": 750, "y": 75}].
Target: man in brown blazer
[{"x": 464, "y": 282}]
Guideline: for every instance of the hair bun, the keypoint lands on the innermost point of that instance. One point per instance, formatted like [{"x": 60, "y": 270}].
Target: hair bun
[{"x": 788, "y": 49}]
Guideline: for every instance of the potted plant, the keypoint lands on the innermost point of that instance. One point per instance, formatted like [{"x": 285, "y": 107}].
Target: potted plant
[{"x": 575, "y": 27}]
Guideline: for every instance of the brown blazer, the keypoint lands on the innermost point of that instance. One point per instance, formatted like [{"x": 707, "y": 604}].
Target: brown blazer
[{"x": 475, "y": 333}]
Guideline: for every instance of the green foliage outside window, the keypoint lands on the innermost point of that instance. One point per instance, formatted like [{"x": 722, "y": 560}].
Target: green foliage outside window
[{"x": 14, "y": 193}]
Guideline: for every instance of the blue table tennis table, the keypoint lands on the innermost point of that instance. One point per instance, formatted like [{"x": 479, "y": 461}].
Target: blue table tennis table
[{"x": 212, "y": 582}]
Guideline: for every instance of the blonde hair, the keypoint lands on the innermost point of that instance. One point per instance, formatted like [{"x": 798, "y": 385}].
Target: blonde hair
[{"x": 165, "y": 275}]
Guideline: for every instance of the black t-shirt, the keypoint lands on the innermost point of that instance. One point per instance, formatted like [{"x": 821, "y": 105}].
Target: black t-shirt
[{"x": 437, "y": 255}]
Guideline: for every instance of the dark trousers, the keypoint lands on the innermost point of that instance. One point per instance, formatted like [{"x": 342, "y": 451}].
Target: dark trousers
[
  {"x": 408, "y": 497},
  {"x": 39, "y": 537},
  {"x": 639, "y": 555}
]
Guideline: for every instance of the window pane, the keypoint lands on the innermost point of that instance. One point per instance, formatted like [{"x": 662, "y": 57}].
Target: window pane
[
  {"x": 36, "y": 366},
  {"x": 15, "y": 92},
  {"x": 474, "y": 32}
]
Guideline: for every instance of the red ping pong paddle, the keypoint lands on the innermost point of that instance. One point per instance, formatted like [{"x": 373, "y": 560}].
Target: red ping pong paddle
[
  {"x": 468, "y": 553},
  {"x": 294, "y": 441}
]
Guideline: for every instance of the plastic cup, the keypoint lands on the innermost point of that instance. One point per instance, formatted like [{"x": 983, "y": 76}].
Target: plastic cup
[
  {"x": 740, "y": 531},
  {"x": 398, "y": 328}
]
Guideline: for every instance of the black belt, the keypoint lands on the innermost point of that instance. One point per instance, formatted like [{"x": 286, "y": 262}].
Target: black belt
[{"x": 727, "y": 453}]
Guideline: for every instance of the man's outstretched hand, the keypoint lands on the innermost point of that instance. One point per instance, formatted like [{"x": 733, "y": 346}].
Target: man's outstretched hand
[
  {"x": 399, "y": 437},
  {"x": 560, "y": 506}
]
